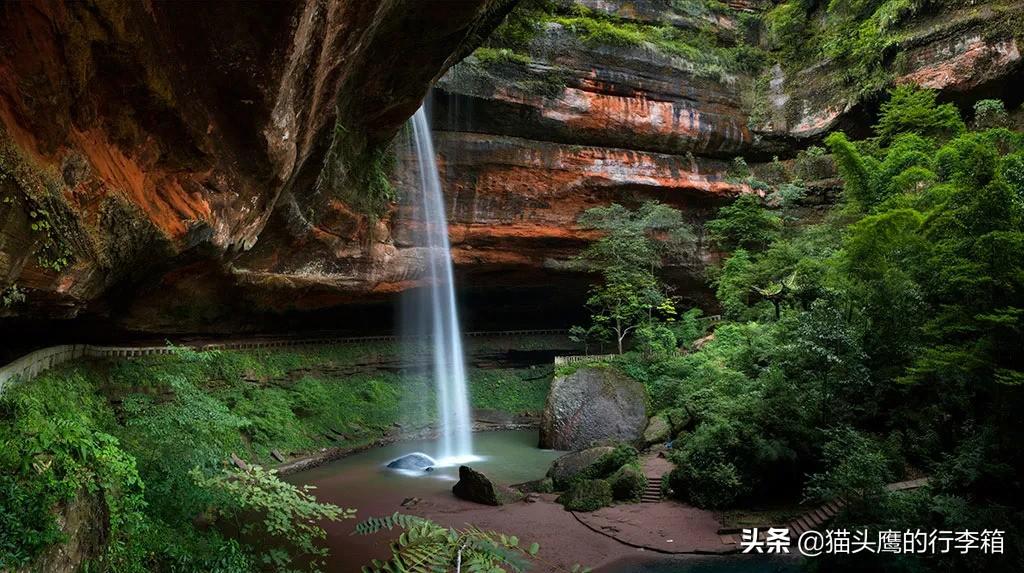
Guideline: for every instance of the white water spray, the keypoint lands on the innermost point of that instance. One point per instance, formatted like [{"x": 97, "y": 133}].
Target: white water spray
[{"x": 437, "y": 306}]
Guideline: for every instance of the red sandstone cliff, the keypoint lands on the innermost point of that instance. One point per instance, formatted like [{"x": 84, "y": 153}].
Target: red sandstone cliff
[{"x": 183, "y": 163}]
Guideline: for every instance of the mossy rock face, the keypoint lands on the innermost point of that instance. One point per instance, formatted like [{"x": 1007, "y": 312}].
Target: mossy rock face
[
  {"x": 679, "y": 419},
  {"x": 567, "y": 467},
  {"x": 658, "y": 430},
  {"x": 609, "y": 463},
  {"x": 587, "y": 495},
  {"x": 592, "y": 406},
  {"x": 628, "y": 483},
  {"x": 543, "y": 485}
]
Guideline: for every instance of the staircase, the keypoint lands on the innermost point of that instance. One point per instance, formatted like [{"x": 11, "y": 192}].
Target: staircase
[{"x": 652, "y": 493}]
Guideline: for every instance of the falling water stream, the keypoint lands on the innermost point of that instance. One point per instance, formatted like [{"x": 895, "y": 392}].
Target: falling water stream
[{"x": 436, "y": 308}]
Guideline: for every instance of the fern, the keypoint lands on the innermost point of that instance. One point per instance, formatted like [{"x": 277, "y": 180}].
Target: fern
[{"x": 426, "y": 547}]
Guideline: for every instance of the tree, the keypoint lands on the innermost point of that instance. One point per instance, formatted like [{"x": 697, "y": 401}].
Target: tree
[
  {"x": 914, "y": 110},
  {"x": 744, "y": 224},
  {"x": 633, "y": 246}
]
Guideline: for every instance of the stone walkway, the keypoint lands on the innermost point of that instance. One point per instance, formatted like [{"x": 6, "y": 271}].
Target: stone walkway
[
  {"x": 671, "y": 527},
  {"x": 814, "y": 518},
  {"x": 655, "y": 524}
]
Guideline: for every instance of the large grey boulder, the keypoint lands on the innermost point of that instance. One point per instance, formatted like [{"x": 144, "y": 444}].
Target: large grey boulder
[
  {"x": 566, "y": 467},
  {"x": 592, "y": 406}
]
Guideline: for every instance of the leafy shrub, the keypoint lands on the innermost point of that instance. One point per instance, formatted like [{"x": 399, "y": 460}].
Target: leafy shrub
[
  {"x": 288, "y": 514},
  {"x": 856, "y": 468},
  {"x": 744, "y": 224},
  {"x": 786, "y": 24},
  {"x": 813, "y": 164},
  {"x": 27, "y": 526},
  {"x": 989, "y": 113},
  {"x": 914, "y": 110},
  {"x": 587, "y": 495},
  {"x": 706, "y": 482}
]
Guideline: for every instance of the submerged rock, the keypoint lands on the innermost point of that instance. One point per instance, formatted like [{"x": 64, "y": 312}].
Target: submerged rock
[
  {"x": 591, "y": 406},
  {"x": 474, "y": 486},
  {"x": 415, "y": 461}
]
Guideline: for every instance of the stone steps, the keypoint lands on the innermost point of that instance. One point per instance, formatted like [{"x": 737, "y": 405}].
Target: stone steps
[
  {"x": 652, "y": 493},
  {"x": 813, "y": 519}
]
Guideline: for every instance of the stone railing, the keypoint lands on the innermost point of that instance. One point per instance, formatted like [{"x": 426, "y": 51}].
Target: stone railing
[
  {"x": 560, "y": 360},
  {"x": 31, "y": 365}
]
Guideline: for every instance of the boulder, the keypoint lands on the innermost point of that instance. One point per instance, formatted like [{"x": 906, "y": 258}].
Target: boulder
[
  {"x": 413, "y": 462},
  {"x": 543, "y": 485},
  {"x": 658, "y": 430},
  {"x": 593, "y": 405},
  {"x": 474, "y": 486},
  {"x": 587, "y": 495},
  {"x": 566, "y": 467},
  {"x": 679, "y": 418},
  {"x": 628, "y": 483}
]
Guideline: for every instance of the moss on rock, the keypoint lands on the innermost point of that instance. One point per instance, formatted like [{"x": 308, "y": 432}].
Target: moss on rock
[
  {"x": 587, "y": 495},
  {"x": 628, "y": 483}
]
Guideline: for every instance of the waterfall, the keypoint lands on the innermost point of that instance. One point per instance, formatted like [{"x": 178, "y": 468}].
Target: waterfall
[{"x": 437, "y": 315}]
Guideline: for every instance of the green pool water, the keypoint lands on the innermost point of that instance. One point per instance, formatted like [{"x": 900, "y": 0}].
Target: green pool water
[{"x": 363, "y": 482}]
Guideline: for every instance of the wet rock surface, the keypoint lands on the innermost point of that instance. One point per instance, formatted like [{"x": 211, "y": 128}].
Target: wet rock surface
[
  {"x": 413, "y": 462},
  {"x": 474, "y": 486},
  {"x": 592, "y": 406}
]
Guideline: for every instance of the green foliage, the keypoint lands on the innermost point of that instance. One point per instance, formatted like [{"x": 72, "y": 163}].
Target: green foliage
[
  {"x": 884, "y": 338},
  {"x": 587, "y": 495},
  {"x": 610, "y": 463},
  {"x": 631, "y": 296},
  {"x": 990, "y": 113},
  {"x": 706, "y": 481},
  {"x": 358, "y": 173},
  {"x": 786, "y": 24},
  {"x": 289, "y": 515},
  {"x": 93, "y": 433},
  {"x": 628, "y": 483},
  {"x": 11, "y": 296},
  {"x": 52, "y": 454},
  {"x": 744, "y": 224},
  {"x": 27, "y": 526},
  {"x": 857, "y": 469},
  {"x": 702, "y": 47},
  {"x": 910, "y": 109},
  {"x": 812, "y": 164},
  {"x": 487, "y": 55},
  {"x": 425, "y": 546},
  {"x": 39, "y": 193}
]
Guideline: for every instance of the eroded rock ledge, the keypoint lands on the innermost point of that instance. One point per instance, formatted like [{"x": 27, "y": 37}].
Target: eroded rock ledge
[{"x": 176, "y": 166}]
